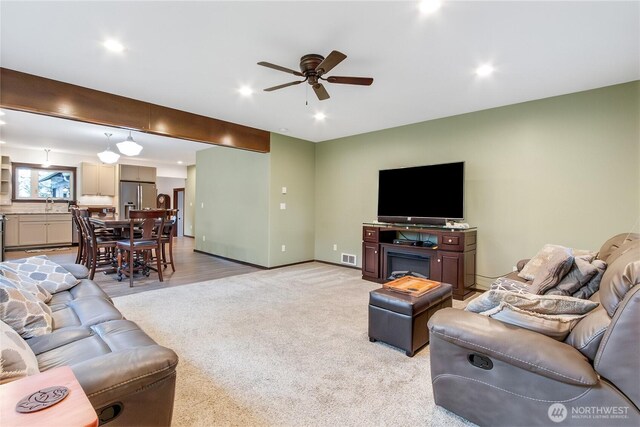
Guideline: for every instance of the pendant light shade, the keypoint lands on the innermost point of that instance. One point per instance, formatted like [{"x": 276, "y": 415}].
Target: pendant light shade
[
  {"x": 108, "y": 156},
  {"x": 129, "y": 147}
]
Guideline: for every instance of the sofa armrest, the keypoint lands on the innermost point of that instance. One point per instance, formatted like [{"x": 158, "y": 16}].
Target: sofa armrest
[
  {"x": 79, "y": 271},
  {"x": 525, "y": 349}
]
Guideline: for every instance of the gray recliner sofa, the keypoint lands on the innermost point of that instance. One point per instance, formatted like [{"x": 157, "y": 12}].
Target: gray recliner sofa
[
  {"x": 496, "y": 374},
  {"x": 128, "y": 378}
]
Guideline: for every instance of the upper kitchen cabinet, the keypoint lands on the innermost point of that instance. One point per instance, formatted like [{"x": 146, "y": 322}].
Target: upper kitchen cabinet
[
  {"x": 98, "y": 179},
  {"x": 137, "y": 173}
]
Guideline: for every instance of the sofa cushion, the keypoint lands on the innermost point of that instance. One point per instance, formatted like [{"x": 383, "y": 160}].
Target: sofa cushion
[
  {"x": 112, "y": 359},
  {"x": 581, "y": 271},
  {"x": 79, "y": 271},
  {"x": 86, "y": 288},
  {"x": 16, "y": 357},
  {"x": 26, "y": 283},
  {"x": 48, "y": 274},
  {"x": 23, "y": 311},
  {"x": 87, "y": 311}
]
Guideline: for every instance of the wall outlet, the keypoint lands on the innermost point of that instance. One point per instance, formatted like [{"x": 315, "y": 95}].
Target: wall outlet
[
  {"x": 284, "y": 190},
  {"x": 203, "y": 238},
  {"x": 283, "y": 206},
  {"x": 335, "y": 247},
  {"x": 284, "y": 248}
]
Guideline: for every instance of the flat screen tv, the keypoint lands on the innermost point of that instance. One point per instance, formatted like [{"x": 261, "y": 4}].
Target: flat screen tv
[{"x": 422, "y": 195}]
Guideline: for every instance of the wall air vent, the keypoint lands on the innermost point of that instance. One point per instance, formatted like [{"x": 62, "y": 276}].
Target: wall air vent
[{"x": 348, "y": 259}]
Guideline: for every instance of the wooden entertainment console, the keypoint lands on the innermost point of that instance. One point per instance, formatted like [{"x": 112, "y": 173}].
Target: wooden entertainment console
[{"x": 452, "y": 259}]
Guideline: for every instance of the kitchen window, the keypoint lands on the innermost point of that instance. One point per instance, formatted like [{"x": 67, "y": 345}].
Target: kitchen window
[{"x": 32, "y": 182}]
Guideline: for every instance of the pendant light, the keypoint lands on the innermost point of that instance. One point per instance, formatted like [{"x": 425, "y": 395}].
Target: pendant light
[
  {"x": 46, "y": 163},
  {"x": 108, "y": 156},
  {"x": 129, "y": 147}
]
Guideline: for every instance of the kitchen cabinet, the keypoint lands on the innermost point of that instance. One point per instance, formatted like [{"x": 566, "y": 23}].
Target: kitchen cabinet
[
  {"x": 98, "y": 179},
  {"x": 38, "y": 229},
  {"x": 137, "y": 173},
  {"x": 11, "y": 230}
]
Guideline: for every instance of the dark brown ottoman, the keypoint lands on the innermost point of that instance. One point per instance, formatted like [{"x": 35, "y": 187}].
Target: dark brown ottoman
[{"x": 401, "y": 320}]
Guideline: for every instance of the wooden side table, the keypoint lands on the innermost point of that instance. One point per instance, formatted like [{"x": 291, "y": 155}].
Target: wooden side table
[{"x": 74, "y": 410}]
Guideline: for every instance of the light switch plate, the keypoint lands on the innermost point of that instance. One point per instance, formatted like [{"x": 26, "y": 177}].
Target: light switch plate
[
  {"x": 284, "y": 190},
  {"x": 283, "y": 206}
]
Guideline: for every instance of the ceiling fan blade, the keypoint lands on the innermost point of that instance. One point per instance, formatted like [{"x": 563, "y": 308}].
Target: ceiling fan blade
[
  {"x": 269, "y": 89},
  {"x": 279, "y": 68},
  {"x": 320, "y": 91},
  {"x": 333, "y": 59},
  {"x": 363, "y": 81}
]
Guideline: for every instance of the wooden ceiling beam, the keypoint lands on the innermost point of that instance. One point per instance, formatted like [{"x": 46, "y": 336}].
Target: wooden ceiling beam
[{"x": 26, "y": 92}]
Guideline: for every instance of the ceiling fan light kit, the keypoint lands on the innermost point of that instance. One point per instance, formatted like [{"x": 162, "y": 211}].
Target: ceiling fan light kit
[{"x": 313, "y": 67}]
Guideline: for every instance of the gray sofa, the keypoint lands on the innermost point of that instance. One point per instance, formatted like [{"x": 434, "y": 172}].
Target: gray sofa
[
  {"x": 128, "y": 378},
  {"x": 497, "y": 374}
]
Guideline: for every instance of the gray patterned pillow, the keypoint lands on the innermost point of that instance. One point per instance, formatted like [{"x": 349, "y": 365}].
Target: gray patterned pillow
[
  {"x": 540, "y": 263},
  {"x": 26, "y": 283},
  {"x": 48, "y": 274},
  {"x": 505, "y": 284},
  {"x": 23, "y": 311},
  {"x": 17, "y": 360}
]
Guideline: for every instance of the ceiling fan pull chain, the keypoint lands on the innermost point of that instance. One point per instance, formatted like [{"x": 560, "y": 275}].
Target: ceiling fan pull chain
[{"x": 306, "y": 95}]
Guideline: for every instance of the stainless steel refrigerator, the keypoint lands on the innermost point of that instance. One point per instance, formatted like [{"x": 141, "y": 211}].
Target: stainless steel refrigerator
[{"x": 136, "y": 195}]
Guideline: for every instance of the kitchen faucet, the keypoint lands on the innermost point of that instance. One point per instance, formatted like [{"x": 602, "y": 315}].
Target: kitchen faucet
[{"x": 48, "y": 200}]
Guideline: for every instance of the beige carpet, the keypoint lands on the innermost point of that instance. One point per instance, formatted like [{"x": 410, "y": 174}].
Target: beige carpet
[{"x": 284, "y": 347}]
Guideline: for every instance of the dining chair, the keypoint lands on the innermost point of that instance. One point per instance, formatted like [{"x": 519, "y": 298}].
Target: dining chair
[
  {"x": 75, "y": 216},
  {"x": 167, "y": 237},
  {"x": 135, "y": 252},
  {"x": 99, "y": 249}
]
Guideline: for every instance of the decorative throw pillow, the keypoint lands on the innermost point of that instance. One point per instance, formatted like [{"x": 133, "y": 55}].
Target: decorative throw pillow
[
  {"x": 505, "y": 284},
  {"x": 550, "y": 273},
  {"x": 48, "y": 274},
  {"x": 556, "y": 326},
  {"x": 540, "y": 304},
  {"x": 26, "y": 283},
  {"x": 580, "y": 273},
  {"x": 23, "y": 311},
  {"x": 592, "y": 286},
  {"x": 17, "y": 360},
  {"x": 546, "y": 260}
]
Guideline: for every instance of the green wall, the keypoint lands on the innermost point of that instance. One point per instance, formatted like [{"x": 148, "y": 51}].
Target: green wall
[
  {"x": 241, "y": 192},
  {"x": 232, "y": 204},
  {"x": 559, "y": 170},
  {"x": 293, "y": 167},
  {"x": 190, "y": 201}
]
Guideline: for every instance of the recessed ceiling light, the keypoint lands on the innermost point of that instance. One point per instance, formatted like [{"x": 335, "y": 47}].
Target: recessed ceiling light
[
  {"x": 179, "y": 162},
  {"x": 283, "y": 130},
  {"x": 113, "y": 45},
  {"x": 2, "y": 123},
  {"x": 245, "y": 91},
  {"x": 429, "y": 6},
  {"x": 2, "y": 142},
  {"x": 484, "y": 70},
  {"x": 1, "y": 113},
  {"x": 320, "y": 116}
]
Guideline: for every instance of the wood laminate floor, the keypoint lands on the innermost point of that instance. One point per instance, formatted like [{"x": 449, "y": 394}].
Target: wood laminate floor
[{"x": 191, "y": 267}]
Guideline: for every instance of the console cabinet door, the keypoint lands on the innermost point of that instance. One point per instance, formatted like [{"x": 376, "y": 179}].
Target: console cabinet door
[
  {"x": 107, "y": 180},
  {"x": 371, "y": 260},
  {"x": 59, "y": 232},
  {"x": 33, "y": 233},
  {"x": 453, "y": 270},
  {"x": 11, "y": 230}
]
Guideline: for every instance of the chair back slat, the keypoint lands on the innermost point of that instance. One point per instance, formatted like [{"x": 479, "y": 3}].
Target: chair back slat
[{"x": 148, "y": 221}]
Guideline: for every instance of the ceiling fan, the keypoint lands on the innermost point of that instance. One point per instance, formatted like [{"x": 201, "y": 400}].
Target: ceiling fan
[{"x": 313, "y": 67}]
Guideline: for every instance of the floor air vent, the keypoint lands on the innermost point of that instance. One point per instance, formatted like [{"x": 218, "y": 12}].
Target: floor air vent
[{"x": 349, "y": 259}]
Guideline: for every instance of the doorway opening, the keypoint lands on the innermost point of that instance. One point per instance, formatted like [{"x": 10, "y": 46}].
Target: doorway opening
[{"x": 178, "y": 203}]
